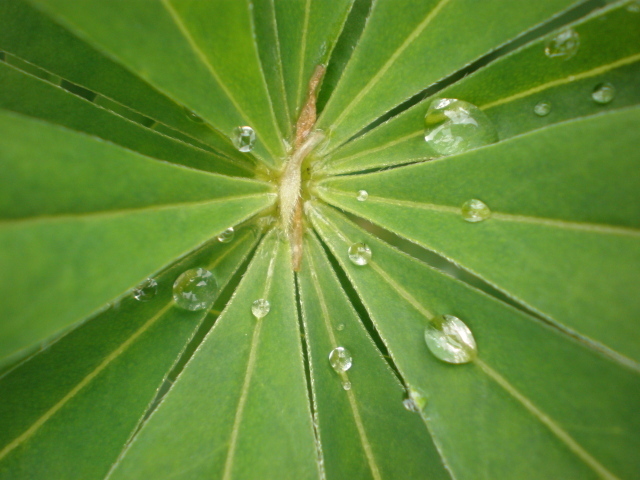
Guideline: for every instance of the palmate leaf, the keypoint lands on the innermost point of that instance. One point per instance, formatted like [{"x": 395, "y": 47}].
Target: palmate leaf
[{"x": 117, "y": 160}]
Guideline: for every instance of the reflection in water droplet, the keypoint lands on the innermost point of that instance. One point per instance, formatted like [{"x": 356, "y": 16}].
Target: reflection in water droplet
[
  {"x": 346, "y": 385},
  {"x": 260, "y": 308},
  {"x": 340, "y": 359},
  {"x": 564, "y": 45},
  {"x": 192, "y": 116},
  {"x": 359, "y": 254},
  {"x": 244, "y": 138},
  {"x": 454, "y": 126},
  {"x": 195, "y": 289},
  {"x": 227, "y": 235},
  {"x": 542, "y": 109},
  {"x": 340, "y": 327},
  {"x": 603, "y": 93},
  {"x": 146, "y": 290},
  {"x": 475, "y": 210},
  {"x": 450, "y": 340},
  {"x": 362, "y": 195}
]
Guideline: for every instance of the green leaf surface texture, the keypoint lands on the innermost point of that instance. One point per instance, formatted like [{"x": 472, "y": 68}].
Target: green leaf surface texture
[{"x": 383, "y": 303}]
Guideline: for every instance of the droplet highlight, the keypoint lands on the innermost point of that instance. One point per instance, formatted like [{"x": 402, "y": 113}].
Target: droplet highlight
[
  {"x": 227, "y": 235},
  {"x": 244, "y": 138},
  {"x": 340, "y": 359},
  {"x": 146, "y": 290},
  {"x": 195, "y": 289},
  {"x": 260, "y": 308},
  {"x": 362, "y": 195},
  {"x": 603, "y": 93},
  {"x": 454, "y": 126},
  {"x": 564, "y": 45},
  {"x": 542, "y": 109},
  {"x": 450, "y": 340},
  {"x": 192, "y": 116},
  {"x": 359, "y": 254},
  {"x": 475, "y": 210}
]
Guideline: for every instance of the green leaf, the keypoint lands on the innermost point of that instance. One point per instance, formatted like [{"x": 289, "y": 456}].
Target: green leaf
[
  {"x": 407, "y": 46},
  {"x": 531, "y": 389},
  {"x": 509, "y": 89},
  {"x": 355, "y": 425},
  {"x": 562, "y": 238},
  {"x": 110, "y": 367},
  {"x": 247, "y": 412},
  {"x": 74, "y": 240}
]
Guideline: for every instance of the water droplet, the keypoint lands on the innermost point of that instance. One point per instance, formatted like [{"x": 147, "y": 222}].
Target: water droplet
[
  {"x": 244, "y": 138},
  {"x": 359, "y": 254},
  {"x": 192, "y": 116},
  {"x": 227, "y": 235},
  {"x": 454, "y": 126},
  {"x": 195, "y": 289},
  {"x": 362, "y": 195},
  {"x": 146, "y": 290},
  {"x": 542, "y": 109},
  {"x": 475, "y": 210},
  {"x": 450, "y": 340},
  {"x": 603, "y": 93},
  {"x": 340, "y": 359},
  {"x": 634, "y": 7},
  {"x": 415, "y": 401},
  {"x": 260, "y": 308},
  {"x": 564, "y": 45},
  {"x": 340, "y": 327},
  {"x": 346, "y": 385}
]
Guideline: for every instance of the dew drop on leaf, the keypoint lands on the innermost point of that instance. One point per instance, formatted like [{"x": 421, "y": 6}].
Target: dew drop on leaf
[
  {"x": 192, "y": 116},
  {"x": 362, "y": 195},
  {"x": 340, "y": 359},
  {"x": 359, "y": 254},
  {"x": 340, "y": 327},
  {"x": 603, "y": 93},
  {"x": 244, "y": 138},
  {"x": 415, "y": 401},
  {"x": 227, "y": 235},
  {"x": 260, "y": 308},
  {"x": 542, "y": 109},
  {"x": 475, "y": 210},
  {"x": 455, "y": 126},
  {"x": 346, "y": 385},
  {"x": 564, "y": 45},
  {"x": 195, "y": 289},
  {"x": 450, "y": 340},
  {"x": 146, "y": 291}
]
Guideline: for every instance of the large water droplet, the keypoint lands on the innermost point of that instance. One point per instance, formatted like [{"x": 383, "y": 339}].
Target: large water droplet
[
  {"x": 362, "y": 195},
  {"x": 475, "y": 210},
  {"x": 359, "y": 253},
  {"x": 195, "y": 289},
  {"x": 603, "y": 93},
  {"x": 260, "y": 308},
  {"x": 415, "y": 401},
  {"x": 450, "y": 340},
  {"x": 542, "y": 109},
  {"x": 192, "y": 116},
  {"x": 227, "y": 235},
  {"x": 454, "y": 126},
  {"x": 340, "y": 359},
  {"x": 146, "y": 290},
  {"x": 564, "y": 45},
  {"x": 244, "y": 138}
]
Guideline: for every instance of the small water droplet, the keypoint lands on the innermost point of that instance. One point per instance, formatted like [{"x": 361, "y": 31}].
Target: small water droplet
[
  {"x": 634, "y": 7},
  {"x": 192, "y": 116},
  {"x": 346, "y": 385},
  {"x": 227, "y": 235},
  {"x": 244, "y": 138},
  {"x": 340, "y": 359},
  {"x": 362, "y": 195},
  {"x": 454, "y": 126},
  {"x": 450, "y": 340},
  {"x": 603, "y": 93},
  {"x": 415, "y": 401},
  {"x": 146, "y": 290},
  {"x": 359, "y": 254},
  {"x": 340, "y": 327},
  {"x": 475, "y": 210},
  {"x": 195, "y": 289},
  {"x": 542, "y": 109},
  {"x": 564, "y": 45},
  {"x": 260, "y": 308}
]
